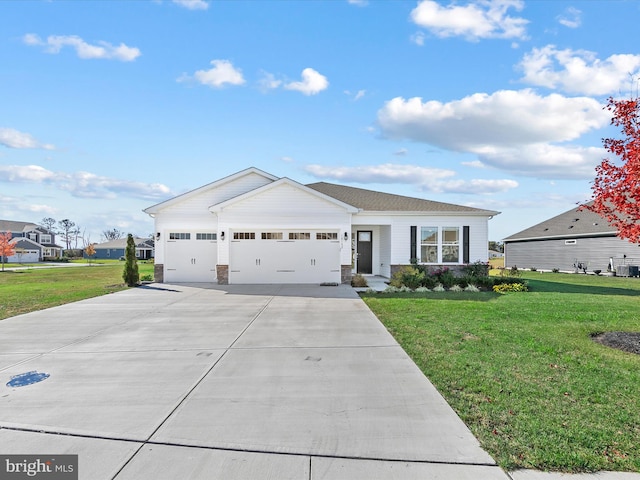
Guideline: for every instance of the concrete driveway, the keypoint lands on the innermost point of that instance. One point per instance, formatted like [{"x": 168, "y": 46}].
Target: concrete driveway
[{"x": 238, "y": 382}]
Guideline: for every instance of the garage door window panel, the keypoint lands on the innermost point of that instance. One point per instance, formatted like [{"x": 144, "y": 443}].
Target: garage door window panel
[
  {"x": 271, "y": 235},
  {"x": 327, "y": 236},
  {"x": 179, "y": 236},
  {"x": 299, "y": 235},
  {"x": 244, "y": 235},
  {"x": 207, "y": 236}
]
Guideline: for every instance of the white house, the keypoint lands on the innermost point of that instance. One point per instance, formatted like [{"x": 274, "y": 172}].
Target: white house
[{"x": 253, "y": 227}]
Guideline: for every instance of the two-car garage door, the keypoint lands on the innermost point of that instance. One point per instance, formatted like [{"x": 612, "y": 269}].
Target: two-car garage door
[{"x": 284, "y": 256}]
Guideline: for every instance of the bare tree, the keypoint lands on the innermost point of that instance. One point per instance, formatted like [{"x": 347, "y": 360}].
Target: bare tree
[
  {"x": 67, "y": 231},
  {"x": 114, "y": 234},
  {"x": 48, "y": 223}
]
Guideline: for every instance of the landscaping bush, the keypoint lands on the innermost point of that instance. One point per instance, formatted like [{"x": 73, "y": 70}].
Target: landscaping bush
[
  {"x": 409, "y": 277},
  {"x": 510, "y": 287},
  {"x": 359, "y": 281}
]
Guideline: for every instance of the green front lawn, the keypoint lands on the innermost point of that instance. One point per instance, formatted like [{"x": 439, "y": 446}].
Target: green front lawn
[
  {"x": 522, "y": 371},
  {"x": 34, "y": 289}
]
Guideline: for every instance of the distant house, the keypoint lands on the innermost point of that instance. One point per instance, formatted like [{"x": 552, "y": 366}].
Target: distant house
[
  {"x": 115, "y": 249},
  {"x": 33, "y": 243},
  {"x": 575, "y": 240}
]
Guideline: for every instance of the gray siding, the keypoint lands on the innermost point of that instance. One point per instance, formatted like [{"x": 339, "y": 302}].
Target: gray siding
[{"x": 562, "y": 253}]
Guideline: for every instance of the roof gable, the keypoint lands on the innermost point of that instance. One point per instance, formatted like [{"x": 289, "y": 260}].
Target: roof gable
[
  {"x": 369, "y": 200},
  {"x": 279, "y": 183},
  {"x": 210, "y": 186}
]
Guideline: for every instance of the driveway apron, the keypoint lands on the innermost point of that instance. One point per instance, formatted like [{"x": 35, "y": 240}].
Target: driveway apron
[{"x": 199, "y": 381}]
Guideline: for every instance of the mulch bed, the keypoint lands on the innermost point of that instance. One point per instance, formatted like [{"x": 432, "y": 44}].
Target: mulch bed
[{"x": 626, "y": 341}]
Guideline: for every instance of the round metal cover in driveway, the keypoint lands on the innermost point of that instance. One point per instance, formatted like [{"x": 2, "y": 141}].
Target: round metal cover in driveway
[{"x": 27, "y": 378}]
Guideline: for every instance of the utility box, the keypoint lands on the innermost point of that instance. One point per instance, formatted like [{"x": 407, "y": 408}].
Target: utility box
[
  {"x": 633, "y": 270},
  {"x": 622, "y": 270}
]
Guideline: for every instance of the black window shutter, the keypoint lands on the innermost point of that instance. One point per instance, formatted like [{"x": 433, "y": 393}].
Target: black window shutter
[
  {"x": 465, "y": 244},
  {"x": 413, "y": 254}
]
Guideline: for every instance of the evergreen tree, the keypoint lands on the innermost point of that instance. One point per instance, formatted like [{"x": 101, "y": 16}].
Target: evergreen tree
[{"x": 130, "y": 274}]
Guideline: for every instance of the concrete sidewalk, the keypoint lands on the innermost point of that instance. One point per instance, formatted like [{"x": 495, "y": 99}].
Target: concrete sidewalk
[{"x": 241, "y": 382}]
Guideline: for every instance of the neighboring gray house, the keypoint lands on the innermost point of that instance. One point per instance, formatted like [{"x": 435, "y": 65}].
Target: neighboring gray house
[
  {"x": 33, "y": 242},
  {"x": 575, "y": 240},
  {"x": 253, "y": 227},
  {"x": 115, "y": 249}
]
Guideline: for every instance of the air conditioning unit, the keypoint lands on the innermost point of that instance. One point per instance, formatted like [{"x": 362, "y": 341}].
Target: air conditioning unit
[{"x": 623, "y": 270}]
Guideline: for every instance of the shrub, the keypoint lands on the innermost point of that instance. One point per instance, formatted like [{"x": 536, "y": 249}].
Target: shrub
[
  {"x": 422, "y": 289},
  {"x": 410, "y": 277},
  {"x": 146, "y": 278},
  {"x": 476, "y": 269},
  {"x": 359, "y": 281},
  {"x": 510, "y": 287},
  {"x": 456, "y": 288},
  {"x": 438, "y": 288},
  {"x": 533, "y": 269},
  {"x": 555, "y": 270},
  {"x": 471, "y": 288},
  {"x": 445, "y": 277}
]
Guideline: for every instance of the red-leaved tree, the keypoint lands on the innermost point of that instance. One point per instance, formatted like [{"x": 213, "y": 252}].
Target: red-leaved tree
[
  {"x": 7, "y": 248},
  {"x": 616, "y": 188}
]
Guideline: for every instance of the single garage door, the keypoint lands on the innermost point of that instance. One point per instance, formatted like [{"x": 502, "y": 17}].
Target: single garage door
[
  {"x": 190, "y": 257},
  {"x": 284, "y": 256}
]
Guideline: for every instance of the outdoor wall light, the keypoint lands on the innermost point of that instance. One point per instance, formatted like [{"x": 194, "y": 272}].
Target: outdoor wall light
[
  {"x": 346, "y": 236},
  {"x": 157, "y": 235},
  {"x": 221, "y": 235}
]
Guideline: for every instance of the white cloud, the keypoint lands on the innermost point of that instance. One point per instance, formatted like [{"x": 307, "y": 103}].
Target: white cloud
[
  {"x": 84, "y": 50},
  {"x": 287, "y": 159},
  {"x": 480, "y": 19},
  {"x": 572, "y": 18},
  {"x": 83, "y": 184},
  {"x": 268, "y": 81},
  {"x": 474, "y": 164},
  {"x": 222, "y": 73},
  {"x": 14, "y": 139},
  {"x": 192, "y": 4},
  {"x": 401, "y": 152},
  {"x": 578, "y": 71},
  {"x": 517, "y": 131},
  {"x": 356, "y": 96},
  {"x": 434, "y": 180},
  {"x": 506, "y": 117},
  {"x": 542, "y": 160},
  {"x": 418, "y": 38},
  {"x": 359, "y": 3},
  {"x": 311, "y": 84}
]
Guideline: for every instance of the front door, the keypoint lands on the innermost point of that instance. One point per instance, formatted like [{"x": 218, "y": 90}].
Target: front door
[{"x": 365, "y": 251}]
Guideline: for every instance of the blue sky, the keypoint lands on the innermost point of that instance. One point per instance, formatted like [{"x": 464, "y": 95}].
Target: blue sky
[{"x": 108, "y": 107}]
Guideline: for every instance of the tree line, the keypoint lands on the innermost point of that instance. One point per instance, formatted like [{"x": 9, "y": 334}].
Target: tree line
[{"x": 73, "y": 235}]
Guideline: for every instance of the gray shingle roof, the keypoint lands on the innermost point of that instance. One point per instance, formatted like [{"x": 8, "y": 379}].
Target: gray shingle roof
[
  {"x": 572, "y": 223},
  {"x": 370, "y": 200},
  {"x": 13, "y": 226}
]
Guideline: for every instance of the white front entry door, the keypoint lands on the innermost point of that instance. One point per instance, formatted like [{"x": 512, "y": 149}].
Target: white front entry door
[
  {"x": 190, "y": 259},
  {"x": 283, "y": 256}
]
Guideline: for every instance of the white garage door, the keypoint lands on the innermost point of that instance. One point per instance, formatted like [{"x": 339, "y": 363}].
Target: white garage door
[
  {"x": 284, "y": 256},
  {"x": 25, "y": 256},
  {"x": 190, "y": 257}
]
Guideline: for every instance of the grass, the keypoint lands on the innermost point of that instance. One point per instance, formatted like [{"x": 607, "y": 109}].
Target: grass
[
  {"x": 522, "y": 371},
  {"x": 34, "y": 289}
]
